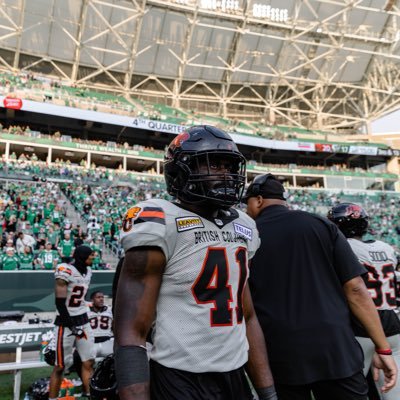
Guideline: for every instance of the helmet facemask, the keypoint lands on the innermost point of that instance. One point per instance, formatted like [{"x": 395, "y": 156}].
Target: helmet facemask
[{"x": 211, "y": 177}]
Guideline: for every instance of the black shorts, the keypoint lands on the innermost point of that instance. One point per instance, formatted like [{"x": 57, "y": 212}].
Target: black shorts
[
  {"x": 174, "y": 384},
  {"x": 352, "y": 388}
]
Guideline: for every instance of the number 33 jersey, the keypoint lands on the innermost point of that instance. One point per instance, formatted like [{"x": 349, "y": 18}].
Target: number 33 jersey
[
  {"x": 77, "y": 288},
  {"x": 380, "y": 261},
  {"x": 199, "y": 324}
]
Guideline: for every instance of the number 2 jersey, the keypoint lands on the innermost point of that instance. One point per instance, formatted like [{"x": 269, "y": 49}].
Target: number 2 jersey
[
  {"x": 379, "y": 259},
  {"x": 199, "y": 325},
  {"x": 77, "y": 288}
]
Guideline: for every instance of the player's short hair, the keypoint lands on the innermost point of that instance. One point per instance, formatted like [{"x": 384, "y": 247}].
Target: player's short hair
[{"x": 93, "y": 294}]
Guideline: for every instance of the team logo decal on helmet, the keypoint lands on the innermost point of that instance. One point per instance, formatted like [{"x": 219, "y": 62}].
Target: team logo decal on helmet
[
  {"x": 177, "y": 142},
  {"x": 204, "y": 166},
  {"x": 353, "y": 211}
]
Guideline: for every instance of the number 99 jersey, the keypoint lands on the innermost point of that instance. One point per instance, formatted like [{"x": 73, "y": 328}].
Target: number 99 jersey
[
  {"x": 199, "y": 324},
  {"x": 77, "y": 288},
  {"x": 101, "y": 322}
]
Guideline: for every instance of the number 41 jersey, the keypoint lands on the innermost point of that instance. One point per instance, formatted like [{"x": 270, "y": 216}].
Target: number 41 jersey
[{"x": 199, "y": 325}]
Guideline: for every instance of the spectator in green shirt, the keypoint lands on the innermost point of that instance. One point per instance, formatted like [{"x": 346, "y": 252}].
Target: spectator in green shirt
[
  {"x": 53, "y": 236},
  {"x": 56, "y": 215},
  {"x": 26, "y": 259},
  {"x": 9, "y": 261},
  {"x": 48, "y": 258},
  {"x": 96, "y": 260},
  {"x": 66, "y": 246},
  {"x": 97, "y": 246},
  {"x": 107, "y": 227}
]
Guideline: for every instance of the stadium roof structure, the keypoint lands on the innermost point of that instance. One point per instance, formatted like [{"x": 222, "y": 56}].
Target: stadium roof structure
[{"x": 317, "y": 64}]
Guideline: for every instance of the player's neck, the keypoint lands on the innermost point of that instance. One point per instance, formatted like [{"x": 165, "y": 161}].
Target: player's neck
[{"x": 200, "y": 209}]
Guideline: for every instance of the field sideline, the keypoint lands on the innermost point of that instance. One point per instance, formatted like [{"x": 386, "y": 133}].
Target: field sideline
[{"x": 28, "y": 377}]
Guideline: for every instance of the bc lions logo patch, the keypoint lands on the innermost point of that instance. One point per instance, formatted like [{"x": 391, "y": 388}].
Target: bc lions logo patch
[{"x": 132, "y": 212}]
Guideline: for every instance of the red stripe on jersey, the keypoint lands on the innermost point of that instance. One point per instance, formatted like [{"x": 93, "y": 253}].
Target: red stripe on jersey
[{"x": 152, "y": 214}]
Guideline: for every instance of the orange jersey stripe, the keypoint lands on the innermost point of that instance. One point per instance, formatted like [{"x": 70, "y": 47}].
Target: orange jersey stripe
[
  {"x": 60, "y": 350},
  {"x": 152, "y": 214}
]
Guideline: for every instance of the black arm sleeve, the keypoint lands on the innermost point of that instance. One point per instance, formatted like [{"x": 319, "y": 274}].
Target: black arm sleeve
[
  {"x": 115, "y": 282},
  {"x": 65, "y": 318}
]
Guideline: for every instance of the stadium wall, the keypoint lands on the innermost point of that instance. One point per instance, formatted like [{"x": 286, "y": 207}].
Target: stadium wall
[{"x": 33, "y": 291}]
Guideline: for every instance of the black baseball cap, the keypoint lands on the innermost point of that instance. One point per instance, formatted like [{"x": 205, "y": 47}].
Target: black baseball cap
[{"x": 266, "y": 186}]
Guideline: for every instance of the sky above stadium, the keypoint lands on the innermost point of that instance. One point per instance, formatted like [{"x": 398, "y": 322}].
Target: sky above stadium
[{"x": 387, "y": 124}]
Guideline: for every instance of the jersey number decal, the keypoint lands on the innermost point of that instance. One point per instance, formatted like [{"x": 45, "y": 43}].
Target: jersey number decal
[
  {"x": 212, "y": 286},
  {"x": 76, "y": 296},
  {"x": 104, "y": 322},
  {"x": 374, "y": 284}
]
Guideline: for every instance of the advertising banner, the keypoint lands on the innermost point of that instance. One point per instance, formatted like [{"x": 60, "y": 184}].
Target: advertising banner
[
  {"x": 10, "y": 102},
  {"x": 22, "y": 335}
]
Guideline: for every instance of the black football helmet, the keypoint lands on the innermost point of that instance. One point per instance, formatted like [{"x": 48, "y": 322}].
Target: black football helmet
[
  {"x": 49, "y": 355},
  {"x": 39, "y": 390},
  {"x": 103, "y": 383},
  {"x": 351, "y": 219},
  {"x": 188, "y": 167}
]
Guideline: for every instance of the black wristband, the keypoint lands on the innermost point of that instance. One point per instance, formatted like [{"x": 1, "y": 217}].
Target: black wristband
[
  {"x": 62, "y": 309},
  {"x": 131, "y": 365},
  {"x": 267, "y": 393}
]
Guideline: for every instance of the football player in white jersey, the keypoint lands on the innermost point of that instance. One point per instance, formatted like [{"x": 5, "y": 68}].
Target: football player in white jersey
[
  {"x": 185, "y": 274},
  {"x": 101, "y": 319},
  {"x": 380, "y": 261},
  {"x": 72, "y": 322},
  {"x": 397, "y": 276}
]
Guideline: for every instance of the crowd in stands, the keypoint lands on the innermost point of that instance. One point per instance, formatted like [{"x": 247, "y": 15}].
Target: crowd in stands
[
  {"x": 20, "y": 167},
  {"x": 42, "y": 88},
  {"x": 57, "y": 136},
  {"x": 108, "y": 205},
  {"x": 104, "y": 207},
  {"x": 35, "y": 231}
]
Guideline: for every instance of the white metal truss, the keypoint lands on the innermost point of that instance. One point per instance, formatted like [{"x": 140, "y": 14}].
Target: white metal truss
[{"x": 296, "y": 87}]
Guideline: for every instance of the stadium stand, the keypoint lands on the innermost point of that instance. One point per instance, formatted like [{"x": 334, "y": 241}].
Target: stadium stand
[
  {"x": 37, "y": 210},
  {"x": 35, "y": 231},
  {"x": 35, "y": 137},
  {"x": 40, "y": 88}
]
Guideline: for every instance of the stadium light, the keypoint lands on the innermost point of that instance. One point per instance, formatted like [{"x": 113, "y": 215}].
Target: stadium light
[
  {"x": 271, "y": 13},
  {"x": 220, "y": 5}
]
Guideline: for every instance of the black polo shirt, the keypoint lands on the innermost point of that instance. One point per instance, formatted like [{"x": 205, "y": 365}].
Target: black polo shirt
[{"x": 296, "y": 280}]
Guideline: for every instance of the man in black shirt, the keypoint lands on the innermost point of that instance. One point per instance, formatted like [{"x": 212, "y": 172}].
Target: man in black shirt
[{"x": 305, "y": 281}]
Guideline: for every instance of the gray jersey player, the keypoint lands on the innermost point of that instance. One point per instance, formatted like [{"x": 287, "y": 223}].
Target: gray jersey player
[
  {"x": 186, "y": 265},
  {"x": 101, "y": 320},
  {"x": 72, "y": 322},
  {"x": 379, "y": 260}
]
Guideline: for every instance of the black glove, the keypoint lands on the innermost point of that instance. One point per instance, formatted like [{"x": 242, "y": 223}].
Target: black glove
[
  {"x": 78, "y": 332},
  {"x": 267, "y": 393}
]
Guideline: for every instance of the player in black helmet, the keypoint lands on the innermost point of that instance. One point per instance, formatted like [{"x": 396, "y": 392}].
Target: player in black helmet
[
  {"x": 380, "y": 261},
  {"x": 186, "y": 269}
]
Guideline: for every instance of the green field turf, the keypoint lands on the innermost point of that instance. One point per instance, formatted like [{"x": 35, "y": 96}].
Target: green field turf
[{"x": 28, "y": 377}]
